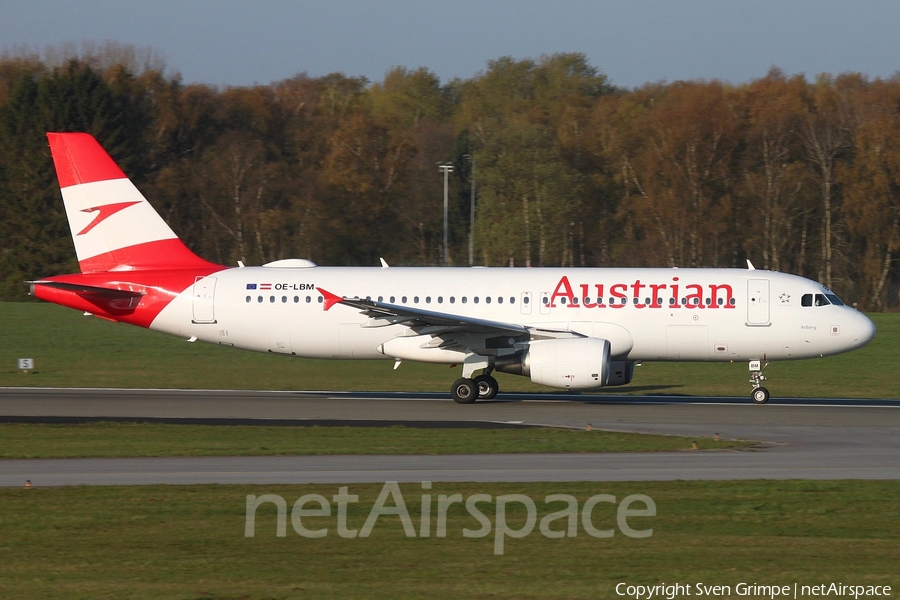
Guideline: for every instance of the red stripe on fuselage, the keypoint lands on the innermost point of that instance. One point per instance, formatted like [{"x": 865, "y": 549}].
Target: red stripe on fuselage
[
  {"x": 79, "y": 158},
  {"x": 159, "y": 255},
  {"x": 159, "y": 287}
]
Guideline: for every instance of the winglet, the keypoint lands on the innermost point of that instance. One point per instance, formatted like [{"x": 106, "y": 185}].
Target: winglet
[{"x": 330, "y": 299}]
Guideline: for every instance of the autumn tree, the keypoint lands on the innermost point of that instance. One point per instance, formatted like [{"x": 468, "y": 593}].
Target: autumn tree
[
  {"x": 826, "y": 131},
  {"x": 674, "y": 153},
  {"x": 33, "y": 226},
  {"x": 526, "y": 122},
  {"x": 872, "y": 191},
  {"x": 770, "y": 215}
]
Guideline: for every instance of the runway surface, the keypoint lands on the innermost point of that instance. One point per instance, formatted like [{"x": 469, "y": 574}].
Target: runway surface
[{"x": 821, "y": 438}]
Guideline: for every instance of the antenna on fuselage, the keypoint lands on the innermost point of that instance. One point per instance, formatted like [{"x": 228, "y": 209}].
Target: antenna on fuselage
[{"x": 750, "y": 266}]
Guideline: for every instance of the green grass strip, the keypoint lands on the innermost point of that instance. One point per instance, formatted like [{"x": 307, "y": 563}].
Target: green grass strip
[
  {"x": 188, "y": 542},
  {"x": 146, "y": 439},
  {"x": 72, "y": 350}
]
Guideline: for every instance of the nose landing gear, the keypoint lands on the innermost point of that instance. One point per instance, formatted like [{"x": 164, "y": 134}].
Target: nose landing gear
[{"x": 759, "y": 395}]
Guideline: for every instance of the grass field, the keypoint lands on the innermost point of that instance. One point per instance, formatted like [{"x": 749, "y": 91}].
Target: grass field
[
  {"x": 73, "y": 350},
  {"x": 143, "y": 439},
  {"x": 188, "y": 542}
]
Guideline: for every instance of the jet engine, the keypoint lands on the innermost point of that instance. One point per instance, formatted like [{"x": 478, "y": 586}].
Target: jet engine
[
  {"x": 620, "y": 372},
  {"x": 574, "y": 364}
]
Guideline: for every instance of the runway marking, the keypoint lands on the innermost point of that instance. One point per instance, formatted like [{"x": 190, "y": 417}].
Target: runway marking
[{"x": 503, "y": 398}]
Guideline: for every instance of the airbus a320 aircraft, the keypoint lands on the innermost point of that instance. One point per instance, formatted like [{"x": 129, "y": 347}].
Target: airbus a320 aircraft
[{"x": 575, "y": 329}]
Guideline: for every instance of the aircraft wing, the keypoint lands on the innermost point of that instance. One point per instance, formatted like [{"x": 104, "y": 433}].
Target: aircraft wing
[{"x": 438, "y": 324}]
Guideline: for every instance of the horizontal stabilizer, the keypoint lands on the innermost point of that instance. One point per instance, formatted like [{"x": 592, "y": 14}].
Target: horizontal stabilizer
[{"x": 91, "y": 290}]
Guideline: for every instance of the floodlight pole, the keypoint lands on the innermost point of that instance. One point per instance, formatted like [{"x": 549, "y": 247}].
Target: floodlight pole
[
  {"x": 447, "y": 168},
  {"x": 472, "y": 212}
]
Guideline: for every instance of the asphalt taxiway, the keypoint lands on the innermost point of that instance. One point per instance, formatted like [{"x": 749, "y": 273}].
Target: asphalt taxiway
[{"x": 818, "y": 438}]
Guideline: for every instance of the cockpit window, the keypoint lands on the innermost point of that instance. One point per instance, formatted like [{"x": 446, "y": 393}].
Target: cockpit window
[
  {"x": 820, "y": 300},
  {"x": 834, "y": 299}
]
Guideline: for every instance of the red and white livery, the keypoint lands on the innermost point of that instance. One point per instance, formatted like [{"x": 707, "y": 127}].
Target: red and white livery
[{"x": 565, "y": 328}]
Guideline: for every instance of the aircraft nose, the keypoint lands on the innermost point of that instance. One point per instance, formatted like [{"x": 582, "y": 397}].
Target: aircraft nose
[{"x": 862, "y": 330}]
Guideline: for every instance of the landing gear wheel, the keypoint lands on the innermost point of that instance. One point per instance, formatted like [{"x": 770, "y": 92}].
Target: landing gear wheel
[
  {"x": 464, "y": 391},
  {"x": 487, "y": 387},
  {"x": 760, "y": 395}
]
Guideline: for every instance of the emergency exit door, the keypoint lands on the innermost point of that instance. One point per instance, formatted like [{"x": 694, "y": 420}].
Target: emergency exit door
[
  {"x": 758, "y": 302},
  {"x": 204, "y": 300}
]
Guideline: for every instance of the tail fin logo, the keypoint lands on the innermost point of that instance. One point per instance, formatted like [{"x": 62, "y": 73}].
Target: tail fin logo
[{"x": 104, "y": 212}]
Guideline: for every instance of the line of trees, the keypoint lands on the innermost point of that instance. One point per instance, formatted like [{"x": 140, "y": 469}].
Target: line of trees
[{"x": 797, "y": 176}]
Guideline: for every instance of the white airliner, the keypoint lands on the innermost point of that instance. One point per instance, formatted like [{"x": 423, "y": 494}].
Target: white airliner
[{"x": 575, "y": 329}]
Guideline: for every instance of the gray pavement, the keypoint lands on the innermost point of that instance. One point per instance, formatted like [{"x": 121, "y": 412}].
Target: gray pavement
[{"x": 805, "y": 439}]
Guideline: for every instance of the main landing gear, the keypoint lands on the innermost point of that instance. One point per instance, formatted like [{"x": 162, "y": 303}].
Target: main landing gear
[
  {"x": 759, "y": 395},
  {"x": 467, "y": 391}
]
